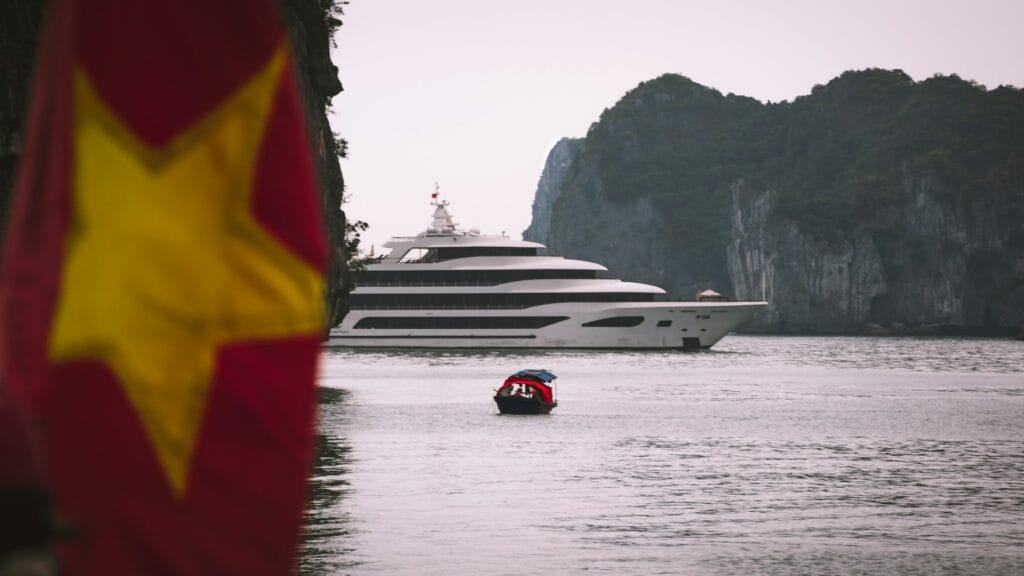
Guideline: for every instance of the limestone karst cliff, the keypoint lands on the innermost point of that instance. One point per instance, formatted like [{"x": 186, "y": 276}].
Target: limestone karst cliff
[
  {"x": 310, "y": 23},
  {"x": 874, "y": 204},
  {"x": 944, "y": 265},
  {"x": 548, "y": 187}
]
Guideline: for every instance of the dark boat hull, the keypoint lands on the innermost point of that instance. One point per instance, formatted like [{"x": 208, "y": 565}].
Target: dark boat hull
[{"x": 523, "y": 405}]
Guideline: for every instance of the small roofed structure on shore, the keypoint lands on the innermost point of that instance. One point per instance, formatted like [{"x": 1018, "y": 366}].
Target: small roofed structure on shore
[{"x": 711, "y": 296}]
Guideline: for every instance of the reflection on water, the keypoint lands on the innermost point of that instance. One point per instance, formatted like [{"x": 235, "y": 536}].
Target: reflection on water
[
  {"x": 765, "y": 455},
  {"x": 326, "y": 547}
]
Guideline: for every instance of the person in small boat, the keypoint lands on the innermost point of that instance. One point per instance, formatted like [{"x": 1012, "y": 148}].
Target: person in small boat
[{"x": 543, "y": 393}]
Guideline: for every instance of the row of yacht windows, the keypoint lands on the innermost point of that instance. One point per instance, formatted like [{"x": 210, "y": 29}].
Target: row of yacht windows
[
  {"x": 464, "y": 277},
  {"x": 485, "y": 300},
  {"x": 491, "y": 322},
  {"x": 427, "y": 255},
  {"x": 458, "y": 322}
]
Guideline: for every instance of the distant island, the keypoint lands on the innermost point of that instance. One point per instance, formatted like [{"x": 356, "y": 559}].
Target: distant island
[{"x": 875, "y": 204}]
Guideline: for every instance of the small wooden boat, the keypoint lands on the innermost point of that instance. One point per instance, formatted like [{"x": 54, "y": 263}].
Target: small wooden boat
[{"x": 527, "y": 392}]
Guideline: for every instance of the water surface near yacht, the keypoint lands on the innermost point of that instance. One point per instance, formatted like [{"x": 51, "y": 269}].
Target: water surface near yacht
[{"x": 769, "y": 455}]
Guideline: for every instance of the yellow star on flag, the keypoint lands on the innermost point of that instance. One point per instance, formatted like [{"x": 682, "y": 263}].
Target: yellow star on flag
[{"x": 165, "y": 262}]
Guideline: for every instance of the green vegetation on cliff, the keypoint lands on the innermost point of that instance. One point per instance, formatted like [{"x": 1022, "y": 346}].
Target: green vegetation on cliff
[
  {"x": 838, "y": 157},
  {"x": 861, "y": 132}
]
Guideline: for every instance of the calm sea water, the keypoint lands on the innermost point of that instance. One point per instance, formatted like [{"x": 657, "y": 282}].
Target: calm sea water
[{"x": 766, "y": 455}]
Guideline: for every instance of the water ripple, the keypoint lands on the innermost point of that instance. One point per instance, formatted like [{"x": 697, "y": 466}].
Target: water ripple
[{"x": 767, "y": 455}]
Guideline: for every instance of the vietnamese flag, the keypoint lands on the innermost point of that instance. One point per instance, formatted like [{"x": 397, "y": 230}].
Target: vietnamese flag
[{"x": 161, "y": 293}]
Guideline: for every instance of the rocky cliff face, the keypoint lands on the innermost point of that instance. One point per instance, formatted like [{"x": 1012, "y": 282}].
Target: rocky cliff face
[
  {"x": 942, "y": 266},
  {"x": 811, "y": 285},
  {"x": 310, "y": 24},
  {"x": 628, "y": 235},
  {"x": 604, "y": 227},
  {"x": 556, "y": 168},
  {"x": 624, "y": 196},
  {"x": 875, "y": 204}
]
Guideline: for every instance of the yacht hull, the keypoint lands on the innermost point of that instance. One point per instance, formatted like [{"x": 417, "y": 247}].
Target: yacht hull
[{"x": 639, "y": 325}]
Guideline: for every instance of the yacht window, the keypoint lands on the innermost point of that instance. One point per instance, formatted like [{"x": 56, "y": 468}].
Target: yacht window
[
  {"x": 485, "y": 300},
  {"x": 415, "y": 255},
  {"x": 664, "y": 323},
  {"x": 462, "y": 277},
  {"x": 616, "y": 322},
  {"x": 452, "y": 253}
]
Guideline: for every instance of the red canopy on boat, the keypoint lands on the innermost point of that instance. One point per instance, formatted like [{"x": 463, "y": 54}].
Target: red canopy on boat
[{"x": 546, "y": 392}]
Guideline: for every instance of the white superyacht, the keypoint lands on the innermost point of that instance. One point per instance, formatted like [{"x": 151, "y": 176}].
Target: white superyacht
[{"x": 452, "y": 288}]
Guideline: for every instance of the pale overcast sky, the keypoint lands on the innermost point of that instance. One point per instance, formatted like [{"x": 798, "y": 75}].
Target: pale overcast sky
[{"x": 473, "y": 93}]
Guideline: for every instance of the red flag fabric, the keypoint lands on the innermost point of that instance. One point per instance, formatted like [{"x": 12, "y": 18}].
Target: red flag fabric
[{"x": 161, "y": 292}]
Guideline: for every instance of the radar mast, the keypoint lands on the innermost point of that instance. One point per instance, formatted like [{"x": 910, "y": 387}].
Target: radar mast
[{"x": 442, "y": 224}]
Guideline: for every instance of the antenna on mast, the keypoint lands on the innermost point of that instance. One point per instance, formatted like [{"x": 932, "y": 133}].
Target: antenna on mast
[
  {"x": 443, "y": 223},
  {"x": 435, "y": 197}
]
